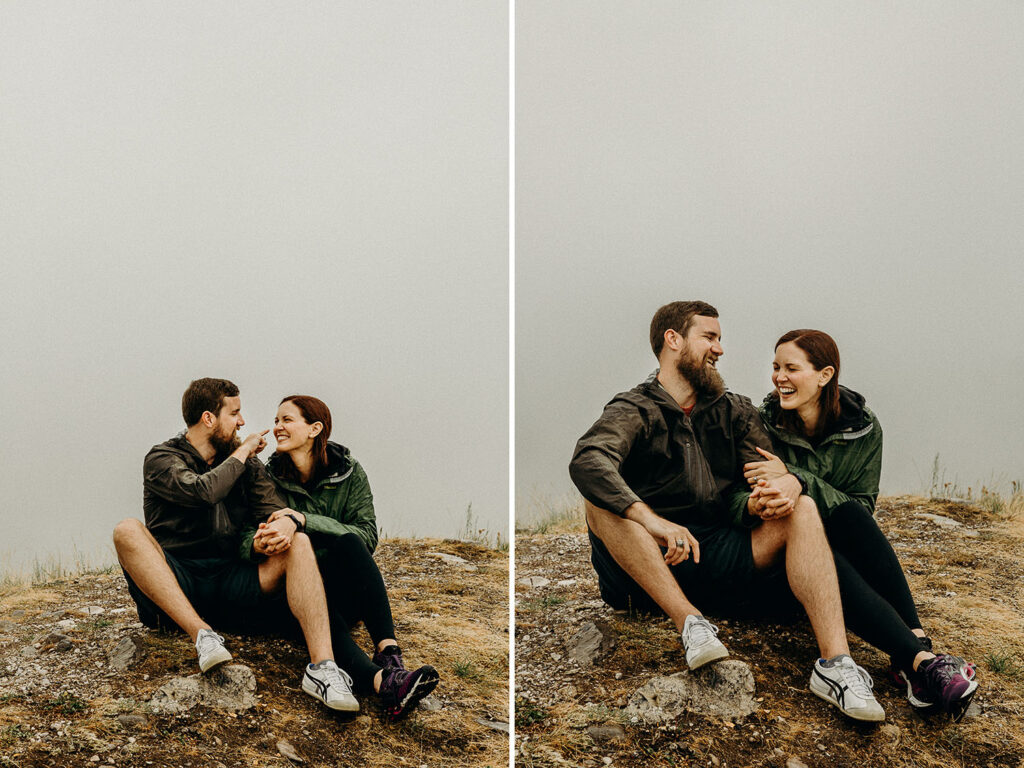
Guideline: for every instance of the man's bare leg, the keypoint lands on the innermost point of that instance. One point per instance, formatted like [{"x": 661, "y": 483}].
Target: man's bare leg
[
  {"x": 810, "y": 569},
  {"x": 305, "y": 590},
  {"x": 143, "y": 558},
  {"x": 636, "y": 551}
]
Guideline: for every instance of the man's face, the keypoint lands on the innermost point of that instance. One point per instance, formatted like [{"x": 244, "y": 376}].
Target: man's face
[
  {"x": 699, "y": 354},
  {"x": 225, "y": 428}
]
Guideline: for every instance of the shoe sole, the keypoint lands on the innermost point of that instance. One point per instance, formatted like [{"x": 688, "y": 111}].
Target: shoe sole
[
  {"x": 864, "y": 717},
  {"x": 706, "y": 658},
  {"x": 424, "y": 684},
  {"x": 215, "y": 660},
  {"x": 958, "y": 708},
  {"x": 337, "y": 706}
]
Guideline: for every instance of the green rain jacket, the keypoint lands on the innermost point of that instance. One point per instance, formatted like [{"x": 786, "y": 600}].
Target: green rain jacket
[
  {"x": 845, "y": 465},
  {"x": 340, "y": 503}
]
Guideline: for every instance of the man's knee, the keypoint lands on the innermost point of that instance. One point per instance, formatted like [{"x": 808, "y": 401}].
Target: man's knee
[
  {"x": 301, "y": 547},
  {"x": 128, "y": 532},
  {"x": 805, "y": 512}
]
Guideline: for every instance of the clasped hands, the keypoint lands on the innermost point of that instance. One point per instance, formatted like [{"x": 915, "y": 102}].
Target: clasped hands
[
  {"x": 774, "y": 490},
  {"x": 275, "y": 536}
]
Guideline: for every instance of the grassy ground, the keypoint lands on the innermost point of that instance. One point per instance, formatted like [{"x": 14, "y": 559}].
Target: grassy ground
[
  {"x": 966, "y": 580},
  {"x": 452, "y": 618}
]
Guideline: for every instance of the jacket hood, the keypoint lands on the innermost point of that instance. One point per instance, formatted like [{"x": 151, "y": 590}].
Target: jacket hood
[
  {"x": 339, "y": 463},
  {"x": 853, "y": 413},
  {"x": 642, "y": 395},
  {"x": 179, "y": 446}
]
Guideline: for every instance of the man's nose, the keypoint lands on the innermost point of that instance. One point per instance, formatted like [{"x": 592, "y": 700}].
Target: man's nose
[
  {"x": 241, "y": 421},
  {"x": 717, "y": 349}
]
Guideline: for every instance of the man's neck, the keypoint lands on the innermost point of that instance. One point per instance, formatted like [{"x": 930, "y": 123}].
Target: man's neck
[
  {"x": 201, "y": 442},
  {"x": 678, "y": 388}
]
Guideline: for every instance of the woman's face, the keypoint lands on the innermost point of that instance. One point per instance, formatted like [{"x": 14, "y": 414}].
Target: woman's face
[
  {"x": 291, "y": 430},
  {"x": 797, "y": 383}
]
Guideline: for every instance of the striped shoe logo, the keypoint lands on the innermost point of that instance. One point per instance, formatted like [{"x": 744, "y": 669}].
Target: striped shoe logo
[{"x": 838, "y": 690}]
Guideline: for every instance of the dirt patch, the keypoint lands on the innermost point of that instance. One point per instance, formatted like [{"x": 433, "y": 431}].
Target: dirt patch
[
  {"x": 63, "y": 705},
  {"x": 966, "y": 579}
]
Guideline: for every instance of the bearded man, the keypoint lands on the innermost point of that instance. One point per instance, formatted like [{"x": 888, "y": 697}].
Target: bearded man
[{"x": 673, "y": 523}]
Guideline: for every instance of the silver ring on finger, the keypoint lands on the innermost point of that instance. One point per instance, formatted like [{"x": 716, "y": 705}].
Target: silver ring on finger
[{"x": 679, "y": 542}]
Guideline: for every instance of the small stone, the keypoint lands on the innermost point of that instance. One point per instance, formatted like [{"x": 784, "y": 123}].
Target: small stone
[
  {"x": 93, "y": 610},
  {"x": 454, "y": 560},
  {"x": 795, "y": 762},
  {"x": 821, "y": 747},
  {"x": 430, "y": 704},
  {"x": 94, "y": 759},
  {"x": 590, "y": 642},
  {"x": 132, "y": 721},
  {"x": 973, "y": 710},
  {"x": 286, "y": 749},
  {"x": 29, "y": 652},
  {"x": 606, "y": 760},
  {"x": 609, "y": 732},
  {"x": 494, "y": 725},
  {"x": 67, "y": 624},
  {"x": 618, "y": 675},
  {"x": 125, "y": 653},
  {"x": 715, "y": 761},
  {"x": 534, "y": 581}
]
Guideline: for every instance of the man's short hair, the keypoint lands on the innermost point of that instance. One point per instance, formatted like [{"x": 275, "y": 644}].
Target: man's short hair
[
  {"x": 205, "y": 395},
  {"x": 679, "y": 317}
]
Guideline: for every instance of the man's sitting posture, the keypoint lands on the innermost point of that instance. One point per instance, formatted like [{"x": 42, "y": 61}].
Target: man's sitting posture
[
  {"x": 671, "y": 518},
  {"x": 200, "y": 490}
]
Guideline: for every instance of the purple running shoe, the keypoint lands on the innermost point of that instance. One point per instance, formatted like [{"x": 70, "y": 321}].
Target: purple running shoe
[
  {"x": 951, "y": 683},
  {"x": 401, "y": 690}
]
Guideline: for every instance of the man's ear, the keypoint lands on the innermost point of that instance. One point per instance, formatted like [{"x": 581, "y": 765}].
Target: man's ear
[
  {"x": 208, "y": 419},
  {"x": 825, "y": 375},
  {"x": 673, "y": 340}
]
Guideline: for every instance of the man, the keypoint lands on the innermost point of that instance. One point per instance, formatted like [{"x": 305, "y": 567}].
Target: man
[
  {"x": 200, "y": 489},
  {"x": 671, "y": 517}
]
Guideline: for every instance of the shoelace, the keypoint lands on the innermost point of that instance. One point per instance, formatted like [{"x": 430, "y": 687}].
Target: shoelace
[
  {"x": 701, "y": 632},
  {"x": 207, "y": 641},
  {"x": 945, "y": 667},
  {"x": 857, "y": 679},
  {"x": 337, "y": 678}
]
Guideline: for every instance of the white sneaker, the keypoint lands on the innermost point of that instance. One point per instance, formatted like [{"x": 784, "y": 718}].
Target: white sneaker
[
  {"x": 701, "y": 642},
  {"x": 211, "y": 650},
  {"x": 331, "y": 685},
  {"x": 847, "y": 686}
]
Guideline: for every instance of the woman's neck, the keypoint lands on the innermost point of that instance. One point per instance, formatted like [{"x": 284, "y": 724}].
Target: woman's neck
[
  {"x": 303, "y": 461},
  {"x": 810, "y": 414}
]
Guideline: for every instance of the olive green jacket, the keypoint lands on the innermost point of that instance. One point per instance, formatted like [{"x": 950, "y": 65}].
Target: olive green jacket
[
  {"x": 341, "y": 501},
  {"x": 845, "y": 465}
]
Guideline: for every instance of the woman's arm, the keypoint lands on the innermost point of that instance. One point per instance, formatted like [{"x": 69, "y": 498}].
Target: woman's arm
[{"x": 358, "y": 515}]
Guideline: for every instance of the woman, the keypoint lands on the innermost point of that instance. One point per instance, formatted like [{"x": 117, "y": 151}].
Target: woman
[
  {"x": 329, "y": 498},
  {"x": 826, "y": 435}
]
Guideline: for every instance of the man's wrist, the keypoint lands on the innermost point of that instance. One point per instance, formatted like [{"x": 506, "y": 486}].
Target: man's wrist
[
  {"x": 800, "y": 479},
  {"x": 300, "y": 524}
]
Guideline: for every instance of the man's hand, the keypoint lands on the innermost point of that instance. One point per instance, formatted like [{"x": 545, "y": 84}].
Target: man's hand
[
  {"x": 677, "y": 540},
  {"x": 252, "y": 445},
  {"x": 770, "y": 502},
  {"x": 274, "y": 537},
  {"x": 770, "y": 469}
]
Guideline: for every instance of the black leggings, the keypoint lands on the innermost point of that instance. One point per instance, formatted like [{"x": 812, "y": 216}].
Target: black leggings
[
  {"x": 355, "y": 592},
  {"x": 877, "y": 603}
]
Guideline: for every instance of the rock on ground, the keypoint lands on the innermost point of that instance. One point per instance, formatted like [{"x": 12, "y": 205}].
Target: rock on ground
[
  {"x": 723, "y": 690},
  {"x": 231, "y": 688}
]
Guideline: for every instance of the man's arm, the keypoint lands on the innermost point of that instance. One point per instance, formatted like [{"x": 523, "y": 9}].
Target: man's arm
[
  {"x": 596, "y": 464},
  {"x": 168, "y": 476}
]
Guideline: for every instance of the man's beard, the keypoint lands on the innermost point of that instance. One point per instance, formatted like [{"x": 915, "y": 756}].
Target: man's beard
[
  {"x": 704, "y": 379},
  {"x": 224, "y": 446}
]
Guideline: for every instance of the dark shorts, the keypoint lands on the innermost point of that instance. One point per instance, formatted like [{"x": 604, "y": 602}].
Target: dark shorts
[
  {"x": 225, "y": 592},
  {"x": 725, "y": 583}
]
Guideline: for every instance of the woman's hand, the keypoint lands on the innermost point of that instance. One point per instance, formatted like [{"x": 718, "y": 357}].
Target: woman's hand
[
  {"x": 771, "y": 468},
  {"x": 768, "y": 502},
  {"x": 274, "y": 537}
]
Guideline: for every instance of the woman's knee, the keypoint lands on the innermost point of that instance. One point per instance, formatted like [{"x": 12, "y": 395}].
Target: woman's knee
[{"x": 348, "y": 545}]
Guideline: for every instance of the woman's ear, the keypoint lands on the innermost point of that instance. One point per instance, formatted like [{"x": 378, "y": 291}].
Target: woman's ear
[
  {"x": 315, "y": 428},
  {"x": 825, "y": 375}
]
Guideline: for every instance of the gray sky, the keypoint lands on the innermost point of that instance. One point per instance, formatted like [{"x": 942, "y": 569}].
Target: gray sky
[
  {"x": 305, "y": 198},
  {"x": 850, "y": 167}
]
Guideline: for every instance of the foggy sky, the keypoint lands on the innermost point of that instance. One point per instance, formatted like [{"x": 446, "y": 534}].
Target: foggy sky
[
  {"x": 850, "y": 167},
  {"x": 305, "y": 198}
]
